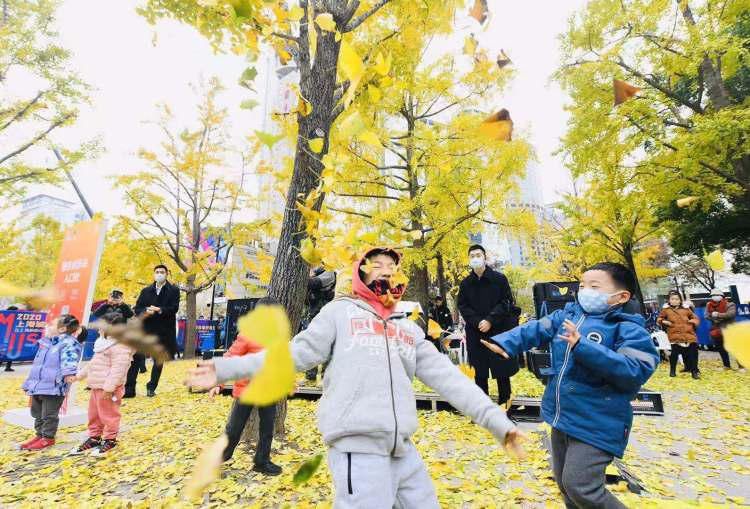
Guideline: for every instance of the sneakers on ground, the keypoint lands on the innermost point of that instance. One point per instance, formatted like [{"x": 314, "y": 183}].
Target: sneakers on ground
[
  {"x": 150, "y": 393},
  {"x": 107, "y": 445},
  {"x": 87, "y": 446},
  {"x": 267, "y": 468},
  {"x": 40, "y": 444},
  {"x": 27, "y": 443}
]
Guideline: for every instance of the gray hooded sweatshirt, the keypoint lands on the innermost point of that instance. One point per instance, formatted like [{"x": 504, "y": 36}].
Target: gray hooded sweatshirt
[{"x": 368, "y": 403}]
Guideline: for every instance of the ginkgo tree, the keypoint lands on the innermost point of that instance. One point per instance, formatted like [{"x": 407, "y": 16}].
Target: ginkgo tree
[
  {"x": 184, "y": 203},
  {"x": 316, "y": 36}
]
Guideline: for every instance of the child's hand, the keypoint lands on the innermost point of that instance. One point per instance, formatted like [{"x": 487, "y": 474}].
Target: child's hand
[
  {"x": 666, "y": 322},
  {"x": 69, "y": 379},
  {"x": 495, "y": 348},
  {"x": 484, "y": 326},
  {"x": 107, "y": 395},
  {"x": 203, "y": 377},
  {"x": 715, "y": 314},
  {"x": 513, "y": 443},
  {"x": 214, "y": 391},
  {"x": 572, "y": 336}
]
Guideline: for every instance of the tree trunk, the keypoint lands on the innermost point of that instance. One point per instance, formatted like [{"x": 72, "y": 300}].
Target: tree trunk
[
  {"x": 630, "y": 263},
  {"x": 418, "y": 289},
  {"x": 190, "y": 311},
  {"x": 441, "y": 276}
]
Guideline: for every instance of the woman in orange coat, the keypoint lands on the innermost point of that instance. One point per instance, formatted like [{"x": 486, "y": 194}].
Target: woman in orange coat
[{"x": 681, "y": 324}]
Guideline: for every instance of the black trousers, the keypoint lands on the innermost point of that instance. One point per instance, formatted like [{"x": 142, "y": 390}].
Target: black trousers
[
  {"x": 719, "y": 343},
  {"x": 236, "y": 424},
  {"x": 689, "y": 356},
  {"x": 46, "y": 413},
  {"x": 139, "y": 361},
  {"x": 503, "y": 388}
]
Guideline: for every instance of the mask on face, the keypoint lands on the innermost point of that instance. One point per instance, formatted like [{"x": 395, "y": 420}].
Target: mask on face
[
  {"x": 716, "y": 298},
  {"x": 387, "y": 295},
  {"x": 476, "y": 263},
  {"x": 594, "y": 302},
  {"x": 160, "y": 278}
]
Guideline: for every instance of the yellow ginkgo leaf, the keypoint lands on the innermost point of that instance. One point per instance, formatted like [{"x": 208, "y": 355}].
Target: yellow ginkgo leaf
[
  {"x": 351, "y": 64},
  {"x": 316, "y": 145},
  {"x": 366, "y": 267},
  {"x": 399, "y": 278},
  {"x": 296, "y": 13},
  {"x": 737, "y": 341},
  {"x": 414, "y": 315},
  {"x": 266, "y": 325},
  {"x": 715, "y": 260},
  {"x": 415, "y": 234},
  {"x": 563, "y": 290},
  {"x": 370, "y": 138},
  {"x": 38, "y": 299},
  {"x": 275, "y": 380},
  {"x": 374, "y": 93},
  {"x": 687, "y": 201},
  {"x": 433, "y": 329},
  {"x": 309, "y": 253},
  {"x": 470, "y": 45},
  {"x": 206, "y": 468},
  {"x": 326, "y": 22},
  {"x": 383, "y": 64}
]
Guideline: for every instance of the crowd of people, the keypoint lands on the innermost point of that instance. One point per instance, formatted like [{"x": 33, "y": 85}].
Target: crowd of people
[{"x": 601, "y": 354}]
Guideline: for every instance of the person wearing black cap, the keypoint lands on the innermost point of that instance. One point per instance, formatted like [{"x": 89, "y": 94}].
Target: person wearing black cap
[
  {"x": 114, "y": 304},
  {"x": 487, "y": 306}
]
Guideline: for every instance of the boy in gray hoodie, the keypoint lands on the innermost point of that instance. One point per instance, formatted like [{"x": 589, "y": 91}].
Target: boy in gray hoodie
[{"x": 367, "y": 414}]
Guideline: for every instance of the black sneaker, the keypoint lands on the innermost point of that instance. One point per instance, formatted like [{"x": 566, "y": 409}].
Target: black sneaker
[
  {"x": 672, "y": 374},
  {"x": 128, "y": 395},
  {"x": 696, "y": 375},
  {"x": 106, "y": 446},
  {"x": 150, "y": 393},
  {"x": 268, "y": 468},
  {"x": 88, "y": 445},
  {"x": 9, "y": 369}
]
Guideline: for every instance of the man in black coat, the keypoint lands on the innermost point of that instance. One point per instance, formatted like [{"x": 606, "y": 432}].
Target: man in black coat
[
  {"x": 440, "y": 313},
  {"x": 321, "y": 289},
  {"x": 157, "y": 306},
  {"x": 114, "y": 304},
  {"x": 487, "y": 306}
]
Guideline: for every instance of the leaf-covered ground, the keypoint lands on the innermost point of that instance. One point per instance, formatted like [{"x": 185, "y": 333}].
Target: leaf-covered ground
[{"x": 698, "y": 452}]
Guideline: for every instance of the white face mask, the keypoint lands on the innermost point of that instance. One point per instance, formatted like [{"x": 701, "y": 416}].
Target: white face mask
[
  {"x": 476, "y": 263},
  {"x": 160, "y": 278},
  {"x": 716, "y": 298}
]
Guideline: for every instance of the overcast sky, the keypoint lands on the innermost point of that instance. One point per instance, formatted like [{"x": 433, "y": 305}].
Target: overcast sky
[{"x": 133, "y": 66}]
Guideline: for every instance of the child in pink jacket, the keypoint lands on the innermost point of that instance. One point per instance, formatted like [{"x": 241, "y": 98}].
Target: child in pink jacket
[{"x": 106, "y": 372}]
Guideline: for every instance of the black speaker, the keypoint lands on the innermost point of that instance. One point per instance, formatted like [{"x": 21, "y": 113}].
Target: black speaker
[
  {"x": 235, "y": 309},
  {"x": 550, "y": 296}
]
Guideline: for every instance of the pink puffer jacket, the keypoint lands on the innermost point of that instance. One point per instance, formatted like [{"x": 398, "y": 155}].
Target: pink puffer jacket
[{"x": 108, "y": 368}]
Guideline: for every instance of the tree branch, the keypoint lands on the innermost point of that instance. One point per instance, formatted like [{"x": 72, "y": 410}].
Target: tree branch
[{"x": 354, "y": 23}]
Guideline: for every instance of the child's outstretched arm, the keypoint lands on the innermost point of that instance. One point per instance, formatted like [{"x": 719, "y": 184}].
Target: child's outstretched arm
[
  {"x": 439, "y": 373},
  {"x": 629, "y": 365},
  {"x": 534, "y": 333},
  {"x": 310, "y": 348}
]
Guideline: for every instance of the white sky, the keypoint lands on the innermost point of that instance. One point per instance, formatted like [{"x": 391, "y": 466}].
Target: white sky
[{"x": 131, "y": 72}]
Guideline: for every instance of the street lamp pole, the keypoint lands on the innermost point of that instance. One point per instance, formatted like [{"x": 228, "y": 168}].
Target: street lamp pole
[{"x": 73, "y": 182}]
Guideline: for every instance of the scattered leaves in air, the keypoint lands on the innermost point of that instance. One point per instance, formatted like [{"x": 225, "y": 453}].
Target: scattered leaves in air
[
  {"x": 326, "y": 22},
  {"x": 433, "y": 329},
  {"x": 307, "y": 469},
  {"x": 247, "y": 77},
  {"x": 737, "y": 341},
  {"x": 131, "y": 334},
  {"x": 686, "y": 201},
  {"x": 414, "y": 315},
  {"x": 296, "y": 13},
  {"x": 206, "y": 468},
  {"x": 715, "y": 260},
  {"x": 248, "y": 104},
  {"x": 316, "y": 145},
  {"x": 266, "y": 325},
  {"x": 37, "y": 299},
  {"x": 309, "y": 253},
  {"x": 623, "y": 91},
  {"x": 399, "y": 278},
  {"x": 479, "y": 11},
  {"x": 470, "y": 45},
  {"x": 498, "y": 126},
  {"x": 269, "y": 139},
  {"x": 503, "y": 59}
]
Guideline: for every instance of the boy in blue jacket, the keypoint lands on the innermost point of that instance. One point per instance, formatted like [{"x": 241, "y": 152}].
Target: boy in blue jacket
[{"x": 601, "y": 356}]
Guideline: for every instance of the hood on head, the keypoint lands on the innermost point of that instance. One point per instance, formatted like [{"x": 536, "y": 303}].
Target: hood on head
[{"x": 360, "y": 290}]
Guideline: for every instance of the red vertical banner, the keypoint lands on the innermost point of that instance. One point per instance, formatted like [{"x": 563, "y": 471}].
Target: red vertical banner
[{"x": 77, "y": 268}]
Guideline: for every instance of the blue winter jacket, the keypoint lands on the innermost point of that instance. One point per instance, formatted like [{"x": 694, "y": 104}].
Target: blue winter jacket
[
  {"x": 591, "y": 385},
  {"x": 56, "y": 358}
]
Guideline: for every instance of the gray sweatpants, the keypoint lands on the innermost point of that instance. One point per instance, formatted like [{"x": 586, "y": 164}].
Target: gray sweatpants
[
  {"x": 371, "y": 481},
  {"x": 45, "y": 410},
  {"x": 579, "y": 470}
]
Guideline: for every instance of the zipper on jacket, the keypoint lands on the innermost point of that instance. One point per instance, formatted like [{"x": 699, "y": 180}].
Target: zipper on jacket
[
  {"x": 349, "y": 473},
  {"x": 562, "y": 372},
  {"x": 393, "y": 397}
]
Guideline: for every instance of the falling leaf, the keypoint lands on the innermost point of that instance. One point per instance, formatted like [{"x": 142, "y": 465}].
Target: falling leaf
[
  {"x": 467, "y": 370},
  {"x": 503, "y": 59},
  {"x": 37, "y": 299},
  {"x": 715, "y": 260},
  {"x": 247, "y": 77},
  {"x": 206, "y": 468},
  {"x": 269, "y": 139},
  {"x": 303, "y": 106},
  {"x": 433, "y": 329},
  {"x": 623, "y": 91},
  {"x": 470, "y": 45},
  {"x": 316, "y": 145},
  {"x": 351, "y": 64},
  {"x": 383, "y": 64},
  {"x": 399, "y": 278},
  {"x": 266, "y": 325},
  {"x": 737, "y": 341},
  {"x": 370, "y": 138},
  {"x": 132, "y": 335},
  {"x": 248, "y": 104},
  {"x": 326, "y": 22},
  {"x": 307, "y": 469},
  {"x": 309, "y": 253},
  {"x": 275, "y": 379},
  {"x": 687, "y": 201},
  {"x": 366, "y": 267},
  {"x": 296, "y": 13},
  {"x": 479, "y": 11},
  {"x": 498, "y": 126},
  {"x": 414, "y": 315}
]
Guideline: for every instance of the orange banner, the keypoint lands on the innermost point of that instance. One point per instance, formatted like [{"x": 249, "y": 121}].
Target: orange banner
[{"x": 77, "y": 269}]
